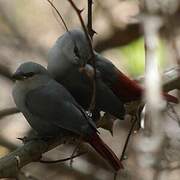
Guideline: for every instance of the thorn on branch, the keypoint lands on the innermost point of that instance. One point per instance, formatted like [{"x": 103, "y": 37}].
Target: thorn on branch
[
  {"x": 78, "y": 11},
  {"x": 89, "y": 23},
  {"x": 92, "y": 55},
  {"x": 81, "y": 10}
]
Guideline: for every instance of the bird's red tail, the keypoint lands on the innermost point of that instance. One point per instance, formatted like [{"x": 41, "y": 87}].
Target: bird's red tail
[
  {"x": 126, "y": 89},
  {"x": 170, "y": 98},
  {"x": 129, "y": 90},
  {"x": 96, "y": 142}
]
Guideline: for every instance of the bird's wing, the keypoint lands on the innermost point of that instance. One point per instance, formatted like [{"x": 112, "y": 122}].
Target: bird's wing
[
  {"x": 54, "y": 104},
  {"x": 106, "y": 68}
]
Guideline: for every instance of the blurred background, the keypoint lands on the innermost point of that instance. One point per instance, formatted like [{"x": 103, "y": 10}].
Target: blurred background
[{"x": 29, "y": 28}]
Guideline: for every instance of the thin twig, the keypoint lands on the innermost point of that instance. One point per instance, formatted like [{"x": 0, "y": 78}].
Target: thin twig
[
  {"x": 4, "y": 142},
  {"x": 176, "y": 118},
  {"x": 92, "y": 55},
  {"x": 29, "y": 152},
  {"x": 79, "y": 11},
  {"x": 177, "y": 56},
  {"x": 127, "y": 139},
  {"x": 74, "y": 152},
  {"x": 115, "y": 176},
  {"x": 56, "y": 10},
  {"x": 152, "y": 135},
  {"x": 5, "y": 70},
  {"x": 8, "y": 111},
  {"x": 63, "y": 160},
  {"x": 89, "y": 23}
]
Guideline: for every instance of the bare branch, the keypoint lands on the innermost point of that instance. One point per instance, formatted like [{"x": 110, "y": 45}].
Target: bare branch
[
  {"x": 92, "y": 55},
  {"x": 89, "y": 23},
  {"x": 29, "y": 152},
  {"x": 151, "y": 25},
  {"x": 79, "y": 11},
  {"x": 172, "y": 79},
  {"x": 152, "y": 136},
  {"x": 59, "y": 14},
  {"x": 7, "y": 144},
  {"x": 62, "y": 160},
  {"x": 66, "y": 169},
  {"x": 119, "y": 37},
  {"x": 5, "y": 71},
  {"x": 127, "y": 139},
  {"x": 177, "y": 56},
  {"x": 8, "y": 111}
]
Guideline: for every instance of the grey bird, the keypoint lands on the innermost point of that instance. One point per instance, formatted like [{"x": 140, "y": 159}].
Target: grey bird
[
  {"x": 65, "y": 61},
  {"x": 52, "y": 111},
  {"x": 114, "y": 88}
]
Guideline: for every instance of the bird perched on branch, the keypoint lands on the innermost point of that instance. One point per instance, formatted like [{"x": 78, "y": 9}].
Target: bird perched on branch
[
  {"x": 113, "y": 88},
  {"x": 66, "y": 59},
  {"x": 52, "y": 111}
]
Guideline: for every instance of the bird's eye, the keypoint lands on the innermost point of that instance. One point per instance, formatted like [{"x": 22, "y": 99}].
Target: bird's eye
[
  {"x": 76, "y": 52},
  {"x": 27, "y": 75}
]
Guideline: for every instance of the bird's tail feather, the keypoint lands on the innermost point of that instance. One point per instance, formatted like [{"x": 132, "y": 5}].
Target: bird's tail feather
[
  {"x": 126, "y": 89},
  {"x": 129, "y": 90},
  {"x": 96, "y": 142},
  {"x": 170, "y": 98}
]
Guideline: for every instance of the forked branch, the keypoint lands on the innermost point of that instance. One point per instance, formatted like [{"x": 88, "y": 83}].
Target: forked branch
[{"x": 92, "y": 55}]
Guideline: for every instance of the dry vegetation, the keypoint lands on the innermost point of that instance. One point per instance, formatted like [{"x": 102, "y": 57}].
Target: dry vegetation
[{"x": 29, "y": 28}]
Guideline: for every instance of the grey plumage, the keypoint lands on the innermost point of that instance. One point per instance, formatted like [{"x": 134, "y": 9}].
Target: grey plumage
[
  {"x": 46, "y": 104},
  {"x": 66, "y": 57},
  {"x": 52, "y": 111}
]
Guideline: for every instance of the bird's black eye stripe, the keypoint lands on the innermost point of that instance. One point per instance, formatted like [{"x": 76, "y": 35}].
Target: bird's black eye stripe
[
  {"x": 76, "y": 52},
  {"x": 30, "y": 74}
]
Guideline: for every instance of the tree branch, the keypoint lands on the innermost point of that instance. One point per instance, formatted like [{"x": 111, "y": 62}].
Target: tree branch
[
  {"x": 8, "y": 111},
  {"x": 32, "y": 151},
  {"x": 92, "y": 55},
  {"x": 119, "y": 37},
  {"x": 29, "y": 152},
  {"x": 59, "y": 14},
  {"x": 89, "y": 23},
  {"x": 172, "y": 79},
  {"x": 5, "y": 71},
  {"x": 7, "y": 144}
]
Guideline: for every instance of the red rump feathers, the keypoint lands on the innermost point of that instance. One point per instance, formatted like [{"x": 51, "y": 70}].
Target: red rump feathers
[{"x": 128, "y": 90}]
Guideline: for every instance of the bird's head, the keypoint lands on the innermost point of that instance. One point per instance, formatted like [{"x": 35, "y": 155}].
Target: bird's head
[
  {"x": 28, "y": 70},
  {"x": 80, "y": 47},
  {"x": 71, "y": 49}
]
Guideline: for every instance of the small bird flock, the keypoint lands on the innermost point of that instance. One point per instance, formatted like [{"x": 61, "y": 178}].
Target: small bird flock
[{"x": 55, "y": 100}]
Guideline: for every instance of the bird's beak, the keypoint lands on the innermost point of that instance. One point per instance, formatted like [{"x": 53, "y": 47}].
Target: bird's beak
[
  {"x": 18, "y": 75},
  {"x": 87, "y": 70}
]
